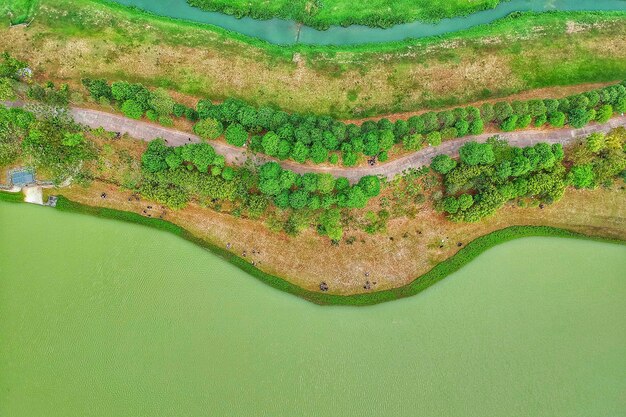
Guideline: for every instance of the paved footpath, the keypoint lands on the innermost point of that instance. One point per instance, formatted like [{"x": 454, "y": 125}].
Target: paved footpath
[{"x": 236, "y": 155}]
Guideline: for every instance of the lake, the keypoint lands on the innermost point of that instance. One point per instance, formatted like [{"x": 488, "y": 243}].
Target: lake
[{"x": 103, "y": 318}]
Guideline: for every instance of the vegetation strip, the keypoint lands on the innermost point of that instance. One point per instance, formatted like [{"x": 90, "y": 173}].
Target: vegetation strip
[{"x": 442, "y": 270}]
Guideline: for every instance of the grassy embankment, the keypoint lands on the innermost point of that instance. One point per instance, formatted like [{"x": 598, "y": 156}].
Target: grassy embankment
[
  {"x": 440, "y": 271},
  {"x": 91, "y": 38},
  {"x": 321, "y": 15},
  {"x": 17, "y": 11}
]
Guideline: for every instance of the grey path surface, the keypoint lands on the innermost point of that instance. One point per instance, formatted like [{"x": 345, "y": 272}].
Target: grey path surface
[{"x": 236, "y": 155}]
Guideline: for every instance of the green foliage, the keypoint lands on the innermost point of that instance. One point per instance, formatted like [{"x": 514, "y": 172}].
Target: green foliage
[
  {"x": 581, "y": 176},
  {"x": 557, "y": 119},
  {"x": 208, "y": 128},
  {"x": 236, "y": 134},
  {"x": 132, "y": 109},
  {"x": 474, "y": 153},
  {"x": 443, "y": 164}
]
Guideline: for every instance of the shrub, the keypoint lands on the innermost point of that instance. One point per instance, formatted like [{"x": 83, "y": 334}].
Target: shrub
[
  {"x": 581, "y": 176},
  {"x": 443, "y": 164},
  {"x": 208, "y": 128},
  {"x": 509, "y": 124},
  {"x": 557, "y": 119},
  {"x": 132, "y": 109},
  {"x": 434, "y": 138},
  {"x": 604, "y": 113},
  {"x": 474, "y": 153},
  {"x": 236, "y": 134}
]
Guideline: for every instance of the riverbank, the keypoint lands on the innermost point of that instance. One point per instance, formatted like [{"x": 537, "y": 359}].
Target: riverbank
[
  {"x": 442, "y": 269},
  {"x": 66, "y": 42}
]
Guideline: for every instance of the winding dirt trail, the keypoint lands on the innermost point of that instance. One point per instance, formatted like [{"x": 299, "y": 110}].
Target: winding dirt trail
[{"x": 237, "y": 156}]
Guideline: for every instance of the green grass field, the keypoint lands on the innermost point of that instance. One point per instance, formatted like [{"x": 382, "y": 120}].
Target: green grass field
[
  {"x": 72, "y": 39},
  {"x": 17, "y": 11},
  {"x": 322, "y": 14}
]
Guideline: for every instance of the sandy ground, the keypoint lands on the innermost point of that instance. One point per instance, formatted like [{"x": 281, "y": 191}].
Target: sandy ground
[{"x": 33, "y": 195}]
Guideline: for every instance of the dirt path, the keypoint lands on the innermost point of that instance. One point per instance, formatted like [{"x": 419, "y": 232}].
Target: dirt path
[{"x": 237, "y": 156}]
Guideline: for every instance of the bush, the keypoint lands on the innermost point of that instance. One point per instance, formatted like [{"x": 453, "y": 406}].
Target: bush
[
  {"x": 509, "y": 124},
  {"x": 434, "y": 138},
  {"x": 604, "y": 113},
  {"x": 236, "y": 135},
  {"x": 132, "y": 109},
  {"x": 443, "y": 164},
  {"x": 557, "y": 119},
  {"x": 474, "y": 153},
  {"x": 208, "y": 128}
]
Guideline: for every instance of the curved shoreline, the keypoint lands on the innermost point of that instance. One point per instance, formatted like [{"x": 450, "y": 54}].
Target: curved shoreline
[{"x": 468, "y": 253}]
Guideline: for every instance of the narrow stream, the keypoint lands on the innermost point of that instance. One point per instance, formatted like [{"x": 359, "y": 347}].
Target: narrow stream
[{"x": 285, "y": 32}]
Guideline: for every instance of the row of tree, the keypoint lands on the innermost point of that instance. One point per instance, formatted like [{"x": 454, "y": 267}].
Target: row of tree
[
  {"x": 175, "y": 175},
  {"x": 488, "y": 175},
  {"x": 323, "y": 139}
]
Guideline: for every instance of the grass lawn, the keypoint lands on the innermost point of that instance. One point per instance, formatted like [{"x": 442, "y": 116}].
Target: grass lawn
[
  {"x": 71, "y": 39},
  {"x": 17, "y": 11},
  {"x": 322, "y": 14}
]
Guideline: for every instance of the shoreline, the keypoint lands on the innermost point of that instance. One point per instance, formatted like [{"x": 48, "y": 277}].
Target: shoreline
[{"x": 450, "y": 265}]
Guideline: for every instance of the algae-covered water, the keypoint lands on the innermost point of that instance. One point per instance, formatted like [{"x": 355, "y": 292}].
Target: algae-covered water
[{"x": 101, "y": 318}]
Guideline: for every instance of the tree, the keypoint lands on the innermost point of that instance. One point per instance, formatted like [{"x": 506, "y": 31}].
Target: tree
[
  {"x": 299, "y": 152},
  {"x": 443, "y": 164},
  {"x": 476, "y": 127},
  {"x": 474, "y": 153},
  {"x": 173, "y": 160},
  {"x": 502, "y": 111},
  {"x": 465, "y": 201},
  {"x": 462, "y": 127},
  {"x": 270, "y": 143},
  {"x": 325, "y": 183},
  {"x": 298, "y": 199},
  {"x": 97, "y": 88},
  {"x": 122, "y": 91},
  {"x": 578, "y": 117},
  {"x": 581, "y": 176},
  {"x": 523, "y": 121},
  {"x": 318, "y": 153},
  {"x": 536, "y": 108},
  {"x": 451, "y": 205},
  {"x": 412, "y": 142},
  {"x": 370, "y": 185},
  {"x": 6, "y": 89},
  {"x": 203, "y": 155},
  {"x": 132, "y": 109},
  {"x": 284, "y": 149},
  {"x": 386, "y": 140},
  {"x": 161, "y": 102},
  {"x": 153, "y": 159},
  {"x": 236, "y": 135},
  {"x": 434, "y": 138},
  {"x": 596, "y": 142},
  {"x": 309, "y": 182},
  {"x": 509, "y": 124},
  {"x": 487, "y": 112},
  {"x": 208, "y": 128},
  {"x": 557, "y": 119},
  {"x": 605, "y": 112},
  {"x": 330, "y": 224},
  {"x": 73, "y": 139}
]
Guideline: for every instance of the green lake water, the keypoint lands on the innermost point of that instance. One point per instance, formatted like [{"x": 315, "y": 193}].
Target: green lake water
[
  {"x": 100, "y": 318},
  {"x": 285, "y": 32}
]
